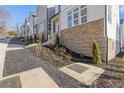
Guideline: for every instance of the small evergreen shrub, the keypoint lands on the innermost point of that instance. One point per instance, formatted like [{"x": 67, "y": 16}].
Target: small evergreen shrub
[
  {"x": 31, "y": 39},
  {"x": 35, "y": 38},
  {"x": 96, "y": 53},
  {"x": 42, "y": 38},
  {"x": 122, "y": 63},
  {"x": 56, "y": 40}
]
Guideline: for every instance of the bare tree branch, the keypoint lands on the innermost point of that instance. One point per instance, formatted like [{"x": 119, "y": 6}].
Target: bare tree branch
[{"x": 4, "y": 15}]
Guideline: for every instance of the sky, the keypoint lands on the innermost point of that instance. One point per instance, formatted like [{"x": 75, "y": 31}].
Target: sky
[
  {"x": 20, "y": 12},
  {"x": 122, "y": 12}
]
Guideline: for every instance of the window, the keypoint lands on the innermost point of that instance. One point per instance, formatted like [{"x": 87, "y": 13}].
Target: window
[
  {"x": 82, "y": 6},
  {"x": 59, "y": 8},
  {"x": 75, "y": 16},
  {"x": 69, "y": 13},
  {"x": 76, "y": 22},
  {"x": 75, "y": 10},
  {"x": 70, "y": 21},
  {"x": 84, "y": 19},
  {"x": 69, "y": 18},
  {"x": 83, "y": 14},
  {"x": 110, "y": 14}
]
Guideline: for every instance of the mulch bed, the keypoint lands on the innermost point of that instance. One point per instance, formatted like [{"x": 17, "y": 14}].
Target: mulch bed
[{"x": 111, "y": 78}]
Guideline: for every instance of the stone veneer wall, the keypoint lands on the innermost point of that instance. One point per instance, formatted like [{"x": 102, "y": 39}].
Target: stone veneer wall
[{"x": 79, "y": 38}]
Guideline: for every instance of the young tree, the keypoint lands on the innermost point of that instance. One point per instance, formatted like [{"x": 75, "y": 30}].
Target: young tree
[{"x": 96, "y": 53}]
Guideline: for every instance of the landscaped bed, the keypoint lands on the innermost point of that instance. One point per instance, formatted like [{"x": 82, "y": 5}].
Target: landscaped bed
[
  {"x": 110, "y": 78},
  {"x": 57, "y": 57}
]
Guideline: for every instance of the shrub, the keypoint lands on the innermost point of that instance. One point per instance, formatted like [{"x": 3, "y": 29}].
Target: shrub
[
  {"x": 35, "y": 38},
  {"x": 56, "y": 40},
  {"x": 31, "y": 39},
  {"x": 42, "y": 38},
  {"x": 96, "y": 53},
  {"x": 62, "y": 51},
  {"x": 122, "y": 63}
]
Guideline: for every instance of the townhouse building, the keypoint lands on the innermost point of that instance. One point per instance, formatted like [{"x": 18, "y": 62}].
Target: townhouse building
[
  {"x": 78, "y": 25},
  {"x": 38, "y": 22},
  {"x": 55, "y": 23},
  {"x": 25, "y": 29},
  {"x": 35, "y": 27},
  {"x": 32, "y": 16},
  {"x": 43, "y": 15}
]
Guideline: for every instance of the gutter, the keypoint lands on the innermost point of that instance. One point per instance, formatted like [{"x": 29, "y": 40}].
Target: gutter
[{"x": 105, "y": 23}]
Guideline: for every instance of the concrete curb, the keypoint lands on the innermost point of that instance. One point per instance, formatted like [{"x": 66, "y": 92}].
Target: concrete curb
[{"x": 3, "y": 48}]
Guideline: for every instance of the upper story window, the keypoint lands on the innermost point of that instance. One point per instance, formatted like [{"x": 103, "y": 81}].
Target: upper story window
[
  {"x": 84, "y": 19},
  {"x": 110, "y": 14},
  {"x": 75, "y": 16},
  {"x": 82, "y": 6},
  {"x": 59, "y": 8},
  {"x": 83, "y": 14},
  {"x": 69, "y": 19}
]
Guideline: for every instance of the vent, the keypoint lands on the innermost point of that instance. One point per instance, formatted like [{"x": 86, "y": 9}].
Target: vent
[{"x": 77, "y": 68}]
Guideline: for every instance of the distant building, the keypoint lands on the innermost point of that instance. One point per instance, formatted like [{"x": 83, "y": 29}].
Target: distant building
[{"x": 43, "y": 15}]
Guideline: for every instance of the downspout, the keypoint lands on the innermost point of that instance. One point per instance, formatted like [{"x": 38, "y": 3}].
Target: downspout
[
  {"x": 105, "y": 23},
  {"x": 47, "y": 24},
  {"x": 119, "y": 30}
]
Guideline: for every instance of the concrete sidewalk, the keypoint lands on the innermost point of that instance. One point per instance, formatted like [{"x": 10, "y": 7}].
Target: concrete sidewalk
[
  {"x": 35, "y": 78},
  {"x": 3, "y": 48}
]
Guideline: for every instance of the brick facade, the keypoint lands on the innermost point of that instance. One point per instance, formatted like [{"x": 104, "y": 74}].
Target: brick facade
[{"x": 79, "y": 38}]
